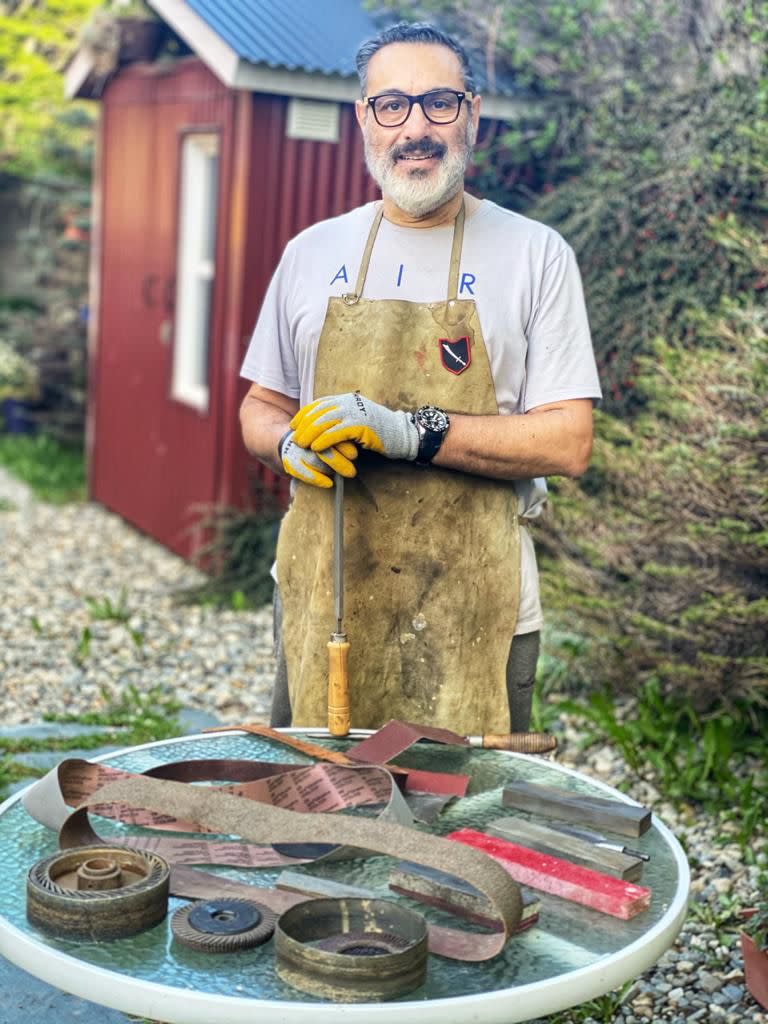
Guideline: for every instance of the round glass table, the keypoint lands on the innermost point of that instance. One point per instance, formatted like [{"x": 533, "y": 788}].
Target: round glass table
[{"x": 571, "y": 955}]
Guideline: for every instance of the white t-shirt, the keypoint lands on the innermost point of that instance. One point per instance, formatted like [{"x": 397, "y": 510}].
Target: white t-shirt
[{"x": 527, "y": 289}]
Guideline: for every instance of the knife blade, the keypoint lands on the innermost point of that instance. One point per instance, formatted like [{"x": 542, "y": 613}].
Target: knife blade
[{"x": 597, "y": 839}]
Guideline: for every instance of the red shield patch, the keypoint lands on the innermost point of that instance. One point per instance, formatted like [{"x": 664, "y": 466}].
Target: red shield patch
[{"x": 455, "y": 354}]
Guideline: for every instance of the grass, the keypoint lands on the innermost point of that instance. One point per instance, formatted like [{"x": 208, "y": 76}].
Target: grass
[
  {"x": 141, "y": 717},
  {"x": 104, "y": 609},
  {"x": 136, "y": 718},
  {"x": 596, "y": 1011},
  {"x": 54, "y": 472},
  {"x": 715, "y": 760},
  {"x": 11, "y": 772}
]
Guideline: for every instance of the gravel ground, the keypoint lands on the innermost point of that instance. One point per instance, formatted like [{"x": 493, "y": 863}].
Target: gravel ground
[{"x": 53, "y": 560}]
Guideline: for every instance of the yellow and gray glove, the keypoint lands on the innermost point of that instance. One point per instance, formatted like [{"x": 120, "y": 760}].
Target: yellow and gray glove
[
  {"x": 316, "y": 467},
  {"x": 337, "y": 418}
]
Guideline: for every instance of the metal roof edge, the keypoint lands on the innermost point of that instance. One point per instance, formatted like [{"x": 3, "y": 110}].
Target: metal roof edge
[
  {"x": 78, "y": 71},
  {"x": 307, "y": 84},
  {"x": 337, "y": 88}
]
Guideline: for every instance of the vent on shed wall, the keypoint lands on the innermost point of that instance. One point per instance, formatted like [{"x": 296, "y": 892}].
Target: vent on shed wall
[{"x": 313, "y": 119}]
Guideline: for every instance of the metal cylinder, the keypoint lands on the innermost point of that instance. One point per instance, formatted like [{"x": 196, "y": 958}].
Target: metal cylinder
[{"x": 352, "y": 950}]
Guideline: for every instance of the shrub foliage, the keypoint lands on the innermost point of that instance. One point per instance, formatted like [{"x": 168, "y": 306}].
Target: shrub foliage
[
  {"x": 640, "y": 219},
  {"x": 659, "y": 554}
]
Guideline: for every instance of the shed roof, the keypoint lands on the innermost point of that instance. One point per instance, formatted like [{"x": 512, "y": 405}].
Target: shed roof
[
  {"x": 287, "y": 48},
  {"x": 298, "y": 47},
  {"x": 304, "y": 35},
  {"x": 294, "y": 34}
]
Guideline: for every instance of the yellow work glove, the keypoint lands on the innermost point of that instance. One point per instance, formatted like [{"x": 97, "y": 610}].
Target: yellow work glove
[
  {"x": 351, "y": 417},
  {"x": 316, "y": 467}
]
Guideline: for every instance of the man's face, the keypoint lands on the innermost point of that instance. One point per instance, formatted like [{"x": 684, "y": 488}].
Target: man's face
[{"x": 417, "y": 165}]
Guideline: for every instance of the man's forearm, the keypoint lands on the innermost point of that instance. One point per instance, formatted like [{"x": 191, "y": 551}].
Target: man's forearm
[
  {"x": 553, "y": 439},
  {"x": 264, "y": 418}
]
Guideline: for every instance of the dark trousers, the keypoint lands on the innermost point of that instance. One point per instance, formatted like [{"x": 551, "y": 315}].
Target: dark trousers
[{"x": 521, "y": 676}]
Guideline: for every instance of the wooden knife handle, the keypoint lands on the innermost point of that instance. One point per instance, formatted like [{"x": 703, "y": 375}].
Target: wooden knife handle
[
  {"x": 521, "y": 742},
  {"x": 338, "y": 687}
]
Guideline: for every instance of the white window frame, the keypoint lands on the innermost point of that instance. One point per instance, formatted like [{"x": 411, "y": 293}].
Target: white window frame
[{"x": 195, "y": 267}]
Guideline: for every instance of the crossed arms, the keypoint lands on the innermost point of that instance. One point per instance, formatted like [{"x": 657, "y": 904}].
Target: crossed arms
[{"x": 550, "y": 440}]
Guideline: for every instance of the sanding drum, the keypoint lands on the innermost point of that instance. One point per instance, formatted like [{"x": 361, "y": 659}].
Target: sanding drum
[
  {"x": 98, "y": 892},
  {"x": 352, "y": 950}
]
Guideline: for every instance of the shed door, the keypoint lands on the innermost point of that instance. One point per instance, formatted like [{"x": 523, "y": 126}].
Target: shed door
[{"x": 156, "y": 451}]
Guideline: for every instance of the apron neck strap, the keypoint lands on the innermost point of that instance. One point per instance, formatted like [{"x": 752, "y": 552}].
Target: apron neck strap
[
  {"x": 453, "y": 278},
  {"x": 458, "y": 240},
  {"x": 364, "y": 263}
]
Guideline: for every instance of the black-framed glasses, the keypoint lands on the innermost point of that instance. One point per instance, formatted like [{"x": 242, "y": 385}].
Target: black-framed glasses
[{"x": 440, "y": 106}]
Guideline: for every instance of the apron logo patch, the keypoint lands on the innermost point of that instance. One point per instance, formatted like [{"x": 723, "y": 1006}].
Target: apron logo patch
[{"x": 455, "y": 354}]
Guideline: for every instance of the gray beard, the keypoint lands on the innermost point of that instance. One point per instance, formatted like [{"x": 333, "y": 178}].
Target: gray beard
[{"x": 415, "y": 194}]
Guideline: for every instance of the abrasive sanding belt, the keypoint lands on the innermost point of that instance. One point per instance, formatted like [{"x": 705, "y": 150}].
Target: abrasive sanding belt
[
  {"x": 261, "y": 823},
  {"x": 306, "y": 788}
]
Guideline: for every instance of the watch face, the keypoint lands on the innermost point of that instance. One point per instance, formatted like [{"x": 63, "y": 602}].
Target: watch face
[{"x": 432, "y": 418}]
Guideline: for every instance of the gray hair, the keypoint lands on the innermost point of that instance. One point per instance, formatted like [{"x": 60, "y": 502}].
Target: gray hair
[{"x": 415, "y": 32}]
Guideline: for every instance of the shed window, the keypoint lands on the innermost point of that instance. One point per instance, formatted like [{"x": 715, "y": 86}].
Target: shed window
[{"x": 195, "y": 263}]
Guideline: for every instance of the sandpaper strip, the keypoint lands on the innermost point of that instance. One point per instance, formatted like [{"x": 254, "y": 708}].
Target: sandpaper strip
[
  {"x": 395, "y": 737},
  {"x": 316, "y": 788},
  {"x": 262, "y": 823},
  {"x": 412, "y": 779},
  {"x": 303, "y": 788}
]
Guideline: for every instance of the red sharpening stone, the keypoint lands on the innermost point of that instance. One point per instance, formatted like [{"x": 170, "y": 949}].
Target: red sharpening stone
[{"x": 560, "y": 877}]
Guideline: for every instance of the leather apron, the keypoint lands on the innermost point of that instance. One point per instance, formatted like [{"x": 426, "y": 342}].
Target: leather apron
[{"x": 431, "y": 556}]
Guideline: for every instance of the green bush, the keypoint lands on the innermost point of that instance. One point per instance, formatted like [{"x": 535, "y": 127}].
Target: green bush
[
  {"x": 646, "y": 218},
  {"x": 659, "y": 553},
  {"x": 54, "y": 471},
  {"x": 40, "y": 131},
  {"x": 238, "y": 555}
]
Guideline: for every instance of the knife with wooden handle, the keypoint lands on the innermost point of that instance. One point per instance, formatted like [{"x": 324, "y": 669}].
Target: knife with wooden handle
[{"x": 516, "y": 742}]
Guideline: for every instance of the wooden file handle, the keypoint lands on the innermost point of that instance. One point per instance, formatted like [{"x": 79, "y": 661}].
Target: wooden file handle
[
  {"x": 338, "y": 686},
  {"x": 521, "y": 742}
]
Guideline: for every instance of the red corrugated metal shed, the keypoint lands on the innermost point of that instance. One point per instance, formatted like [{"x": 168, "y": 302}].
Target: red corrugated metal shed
[{"x": 155, "y": 460}]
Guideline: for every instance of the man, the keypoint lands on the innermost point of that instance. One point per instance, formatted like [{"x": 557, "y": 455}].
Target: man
[{"x": 445, "y": 339}]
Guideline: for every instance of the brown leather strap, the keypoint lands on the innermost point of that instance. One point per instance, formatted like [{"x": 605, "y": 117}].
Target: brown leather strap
[{"x": 395, "y": 737}]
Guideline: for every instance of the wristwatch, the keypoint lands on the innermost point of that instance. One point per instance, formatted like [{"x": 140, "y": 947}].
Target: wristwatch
[{"x": 432, "y": 424}]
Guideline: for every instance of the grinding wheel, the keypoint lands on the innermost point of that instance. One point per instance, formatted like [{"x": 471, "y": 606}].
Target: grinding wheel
[
  {"x": 97, "y": 892},
  {"x": 223, "y": 925},
  {"x": 352, "y": 950}
]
